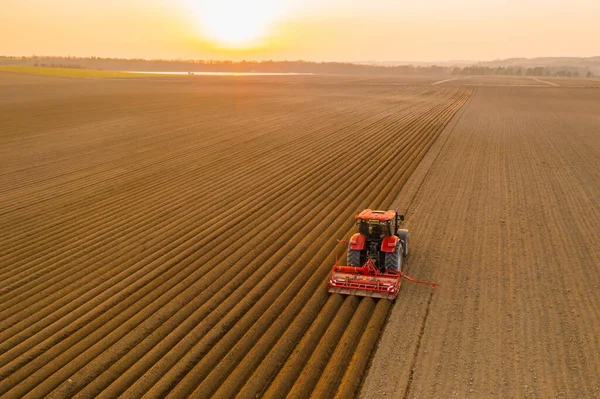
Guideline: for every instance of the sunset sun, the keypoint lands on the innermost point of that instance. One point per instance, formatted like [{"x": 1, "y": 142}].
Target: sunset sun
[{"x": 234, "y": 23}]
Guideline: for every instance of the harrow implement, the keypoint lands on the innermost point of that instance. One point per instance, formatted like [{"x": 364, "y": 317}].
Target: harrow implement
[
  {"x": 364, "y": 281},
  {"x": 368, "y": 281}
]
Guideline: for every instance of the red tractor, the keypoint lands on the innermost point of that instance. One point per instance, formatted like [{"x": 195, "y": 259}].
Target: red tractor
[{"x": 375, "y": 257}]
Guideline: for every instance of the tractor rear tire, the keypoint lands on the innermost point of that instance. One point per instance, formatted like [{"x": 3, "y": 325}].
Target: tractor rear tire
[
  {"x": 353, "y": 258},
  {"x": 403, "y": 235},
  {"x": 393, "y": 260}
]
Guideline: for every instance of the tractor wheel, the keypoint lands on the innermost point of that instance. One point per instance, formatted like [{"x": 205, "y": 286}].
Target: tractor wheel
[
  {"x": 393, "y": 260},
  {"x": 403, "y": 235},
  {"x": 353, "y": 258}
]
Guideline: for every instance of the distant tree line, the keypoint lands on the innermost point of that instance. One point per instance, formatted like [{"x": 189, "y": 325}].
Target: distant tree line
[
  {"x": 269, "y": 66},
  {"x": 521, "y": 71},
  {"x": 120, "y": 64}
]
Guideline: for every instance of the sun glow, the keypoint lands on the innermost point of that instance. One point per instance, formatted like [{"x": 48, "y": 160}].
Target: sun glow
[{"x": 235, "y": 23}]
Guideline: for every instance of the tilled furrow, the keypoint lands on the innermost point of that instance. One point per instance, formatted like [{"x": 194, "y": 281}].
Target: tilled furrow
[
  {"x": 238, "y": 354},
  {"x": 190, "y": 256}
]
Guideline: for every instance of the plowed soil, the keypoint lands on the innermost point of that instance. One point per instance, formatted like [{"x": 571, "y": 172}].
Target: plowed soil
[
  {"x": 173, "y": 237},
  {"x": 506, "y": 218}
]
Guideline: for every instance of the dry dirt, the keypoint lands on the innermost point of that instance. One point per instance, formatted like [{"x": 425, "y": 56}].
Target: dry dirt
[
  {"x": 525, "y": 81},
  {"x": 507, "y": 220},
  {"x": 172, "y": 237}
]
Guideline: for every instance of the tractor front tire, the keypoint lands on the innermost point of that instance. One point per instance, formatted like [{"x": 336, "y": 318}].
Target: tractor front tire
[
  {"x": 393, "y": 260},
  {"x": 353, "y": 258}
]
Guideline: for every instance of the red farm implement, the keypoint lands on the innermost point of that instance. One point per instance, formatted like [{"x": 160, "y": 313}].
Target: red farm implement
[{"x": 375, "y": 258}]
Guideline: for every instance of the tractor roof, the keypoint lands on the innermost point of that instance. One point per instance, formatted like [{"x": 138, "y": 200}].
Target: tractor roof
[{"x": 369, "y": 214}]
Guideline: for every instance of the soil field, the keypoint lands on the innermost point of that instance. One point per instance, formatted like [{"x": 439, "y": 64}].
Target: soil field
[
  {"x": 504, "y": 213},
  {"x": 166, "y": 238},
  {"x": 574, "y": 82},
  {"x": 22, "y": 75},
  {"x": 66, "y": 72},
  {"x": 494, "y": 81},
  {"x": 396, "y": 80},
  {"x": 536, "y": 81}
]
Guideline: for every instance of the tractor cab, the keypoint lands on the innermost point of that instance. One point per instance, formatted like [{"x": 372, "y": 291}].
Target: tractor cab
[
  {"x": 375, "y": 225},
  {"x": 377, "y": 239}
]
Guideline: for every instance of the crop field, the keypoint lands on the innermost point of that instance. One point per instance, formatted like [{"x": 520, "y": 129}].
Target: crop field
[
  {"x": 507, "y": 221},
  {"x": 394, "y": 80},
  {"x": 66, "y": 72},
  {"x": 165, "y": 239},
  {"x": 173, "y": 237},
  {"x": 519, "y": 81},
  {"x": 495, "y": 81},
  {"x": 575, "y": 82}
]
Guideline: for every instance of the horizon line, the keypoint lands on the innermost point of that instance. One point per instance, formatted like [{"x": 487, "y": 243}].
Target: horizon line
[{"x": 357, "y": 62}]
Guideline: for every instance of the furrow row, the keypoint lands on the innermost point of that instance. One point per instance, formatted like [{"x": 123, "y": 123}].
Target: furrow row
[{"x": 193, "y": 260}]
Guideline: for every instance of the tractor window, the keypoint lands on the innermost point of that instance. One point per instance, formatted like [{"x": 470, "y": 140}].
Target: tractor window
[
  {"x": 374, "y": 229},
  {"x": 387, "y": 229},
  {"x": 384, "y": 229},
  {"x": 363, "y": 228}
]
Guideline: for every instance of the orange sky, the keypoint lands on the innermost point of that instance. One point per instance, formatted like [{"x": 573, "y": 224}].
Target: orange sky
[{"x": 331, "y": 30}]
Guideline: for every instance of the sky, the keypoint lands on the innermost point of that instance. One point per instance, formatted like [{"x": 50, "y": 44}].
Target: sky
[{"x": 316, "y": 30}]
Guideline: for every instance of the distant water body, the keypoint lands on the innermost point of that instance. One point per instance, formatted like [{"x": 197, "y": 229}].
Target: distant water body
[{"x": 223, "y": 73}]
